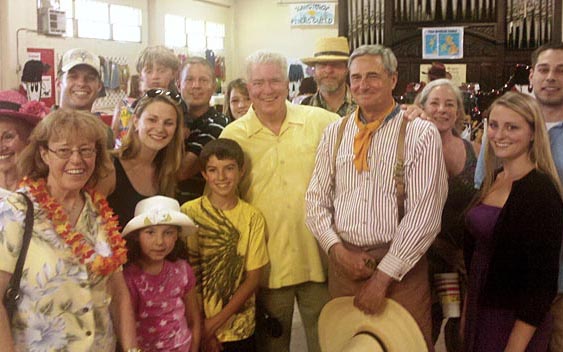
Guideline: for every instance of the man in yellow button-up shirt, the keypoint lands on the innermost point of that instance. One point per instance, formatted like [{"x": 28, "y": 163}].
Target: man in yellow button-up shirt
[{"x": 280, "y": 141}]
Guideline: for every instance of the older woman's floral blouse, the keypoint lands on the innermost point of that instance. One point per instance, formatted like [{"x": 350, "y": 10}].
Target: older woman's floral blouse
[{"x": 63, "y": 307}]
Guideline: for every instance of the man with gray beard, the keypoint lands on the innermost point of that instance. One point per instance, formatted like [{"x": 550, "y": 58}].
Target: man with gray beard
[{"x": 330, "y": 71}]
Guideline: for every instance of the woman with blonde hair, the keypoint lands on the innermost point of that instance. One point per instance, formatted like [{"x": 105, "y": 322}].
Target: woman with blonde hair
[
  {"x": 514, "y": 234},
  {"x": 73, "y": 294},
  {"x": 147, "y": 162}
]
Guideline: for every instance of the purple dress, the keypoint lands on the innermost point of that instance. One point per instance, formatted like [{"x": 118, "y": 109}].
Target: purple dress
[{"x": 487, "y": 329}]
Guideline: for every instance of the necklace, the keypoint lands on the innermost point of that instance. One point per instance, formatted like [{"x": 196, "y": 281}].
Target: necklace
[{"x": 103, "y": 258}]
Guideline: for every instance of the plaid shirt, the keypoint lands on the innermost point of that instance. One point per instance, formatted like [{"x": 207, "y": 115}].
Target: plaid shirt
[{"x": 346, "y": 108}]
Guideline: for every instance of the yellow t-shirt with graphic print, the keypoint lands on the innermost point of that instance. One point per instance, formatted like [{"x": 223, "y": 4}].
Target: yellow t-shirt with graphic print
[{"x": 228, "y": 244}]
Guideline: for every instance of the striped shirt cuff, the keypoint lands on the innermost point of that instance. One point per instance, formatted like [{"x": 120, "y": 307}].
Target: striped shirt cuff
[
  {"x": 329, "y": 240},
  {"x": 394, "y": 266}
]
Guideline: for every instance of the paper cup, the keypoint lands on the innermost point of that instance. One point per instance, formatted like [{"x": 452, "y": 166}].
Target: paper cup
[{"x": 447, "y": 286}]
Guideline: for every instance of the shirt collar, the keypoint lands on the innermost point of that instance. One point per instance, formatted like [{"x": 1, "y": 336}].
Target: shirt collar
[
  {"x": 558, "y": 124},
  {"x": 253, "y": 125},
  {"x": 394, "y": 112}
]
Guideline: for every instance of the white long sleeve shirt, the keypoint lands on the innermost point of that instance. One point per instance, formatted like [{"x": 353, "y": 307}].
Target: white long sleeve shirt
[{"x": 361, "y": 208}]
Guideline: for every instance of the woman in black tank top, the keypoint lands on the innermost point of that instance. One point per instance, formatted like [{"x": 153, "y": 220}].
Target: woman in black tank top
[{"x": 150, "y": 155}]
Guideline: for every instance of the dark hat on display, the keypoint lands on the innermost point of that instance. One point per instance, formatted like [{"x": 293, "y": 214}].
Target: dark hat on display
[
  {"x": 436, "y": 71},
  {"x": 329, "y": 49},
  {"x": 15, "y": 105},
  {"x": 76, "y": 57},
  {"x": 33, "y": 71},
  {"x": 344, "y": 328}
]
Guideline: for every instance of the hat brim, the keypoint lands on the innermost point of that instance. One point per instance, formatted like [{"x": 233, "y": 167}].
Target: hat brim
[
  {"x": 394, "y": 327},
  {"x": 70, "y": 66},
  {"x": 324, "y": 58},
  {"x": 176, "y": 219},
  {"x": 31, "y": 119}
]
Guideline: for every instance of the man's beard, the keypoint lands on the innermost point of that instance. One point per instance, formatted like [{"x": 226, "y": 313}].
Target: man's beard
[{"x": 331, "y": 87}]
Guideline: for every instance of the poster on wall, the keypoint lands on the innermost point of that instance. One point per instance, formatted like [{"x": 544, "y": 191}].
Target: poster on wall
[
  {"x": 442, "y": 43},
  {"x": 313, "y": 14},
  {"x": 47, "y": 57}
]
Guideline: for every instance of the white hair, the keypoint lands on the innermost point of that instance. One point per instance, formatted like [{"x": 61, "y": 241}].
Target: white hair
[{"x": 265, "y": 57}]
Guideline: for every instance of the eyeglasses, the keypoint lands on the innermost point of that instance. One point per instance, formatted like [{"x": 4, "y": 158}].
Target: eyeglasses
[
  {"x": 153, "y": 93},
  {"x": 66, "y": 153}
]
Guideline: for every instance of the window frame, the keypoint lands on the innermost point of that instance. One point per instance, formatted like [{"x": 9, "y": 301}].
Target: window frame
[
  {"x": 74, "y": 21},
  {"x": 195, "y": 33}
]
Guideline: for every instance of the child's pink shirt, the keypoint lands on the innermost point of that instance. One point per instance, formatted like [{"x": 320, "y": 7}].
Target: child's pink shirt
[{"x": 158, "y": 301}]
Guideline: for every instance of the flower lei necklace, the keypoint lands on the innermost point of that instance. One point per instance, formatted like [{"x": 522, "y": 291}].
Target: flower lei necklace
[{"x": 99, "y": 260}]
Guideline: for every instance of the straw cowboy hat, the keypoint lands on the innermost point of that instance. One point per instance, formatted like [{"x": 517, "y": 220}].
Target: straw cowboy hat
[
  {"x": 344, "y": 328},
  {"x": 329, "y": 49},
  {"x": 159, "y": 210},
  {"x": 15, "y": 105}
]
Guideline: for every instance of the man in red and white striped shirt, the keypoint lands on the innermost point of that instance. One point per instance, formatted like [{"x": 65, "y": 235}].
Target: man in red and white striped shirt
[{"x": 351, "y": 200}]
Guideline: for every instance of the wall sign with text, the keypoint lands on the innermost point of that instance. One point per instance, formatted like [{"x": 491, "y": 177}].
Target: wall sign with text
[
  {"x": 442, "y": 43},
  {"x": 313, "y": 14}
]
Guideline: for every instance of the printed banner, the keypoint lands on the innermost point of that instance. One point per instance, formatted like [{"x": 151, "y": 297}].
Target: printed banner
[
  {"x": 314, "y": 14},
  {"x": 442, "y": 43}
]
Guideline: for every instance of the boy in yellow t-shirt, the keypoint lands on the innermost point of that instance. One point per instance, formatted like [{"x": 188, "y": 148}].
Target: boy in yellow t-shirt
[{"x": 228, "y": 252}]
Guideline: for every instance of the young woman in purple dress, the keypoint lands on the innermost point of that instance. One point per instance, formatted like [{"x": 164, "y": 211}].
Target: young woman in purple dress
[{"x": 514, "y": 234}]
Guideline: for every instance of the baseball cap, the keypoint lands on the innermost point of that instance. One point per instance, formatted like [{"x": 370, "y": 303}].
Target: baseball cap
[{"x": 75, "y": 57}]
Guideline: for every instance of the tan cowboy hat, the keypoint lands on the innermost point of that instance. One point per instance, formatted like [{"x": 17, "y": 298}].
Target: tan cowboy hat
[
  {"x": 344, "y": 328},
  {"x": 159, "y": 210},
  {"x": 329, "y": 49}
]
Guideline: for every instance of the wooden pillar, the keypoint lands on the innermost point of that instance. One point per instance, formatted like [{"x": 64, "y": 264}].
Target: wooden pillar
[
  {"x": 343, "y": 18},
  {"x": 557, "y": 14},
  {"x": 388, "y": 28},
  {"x": 501, "y": 22}
]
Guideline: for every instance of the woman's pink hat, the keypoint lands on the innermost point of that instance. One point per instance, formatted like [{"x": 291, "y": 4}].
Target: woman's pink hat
[{"x": 13, "y": 104}]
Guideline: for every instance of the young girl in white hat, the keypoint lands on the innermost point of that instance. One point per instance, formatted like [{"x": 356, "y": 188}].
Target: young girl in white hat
[{"x": 161, "y": 282}]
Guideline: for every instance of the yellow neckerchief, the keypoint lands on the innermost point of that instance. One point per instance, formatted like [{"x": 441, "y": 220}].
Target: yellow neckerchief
[{"x": 363, "y": 138}]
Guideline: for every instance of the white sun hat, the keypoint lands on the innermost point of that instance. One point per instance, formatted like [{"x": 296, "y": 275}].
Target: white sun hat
[{"x": 159, "y": 210}]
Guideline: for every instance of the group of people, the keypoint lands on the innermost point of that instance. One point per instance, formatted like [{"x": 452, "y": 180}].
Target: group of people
[{"x": 225, "y": 220}]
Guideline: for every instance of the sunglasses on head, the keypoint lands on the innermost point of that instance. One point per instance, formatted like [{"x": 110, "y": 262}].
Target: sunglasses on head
[{"x": 153, "y": 93}]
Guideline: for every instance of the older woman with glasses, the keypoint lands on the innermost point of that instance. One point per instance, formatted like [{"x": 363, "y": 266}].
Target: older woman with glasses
[
  {"x": 72, "y": 293},
  {"x": 149, "y": 158}
]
